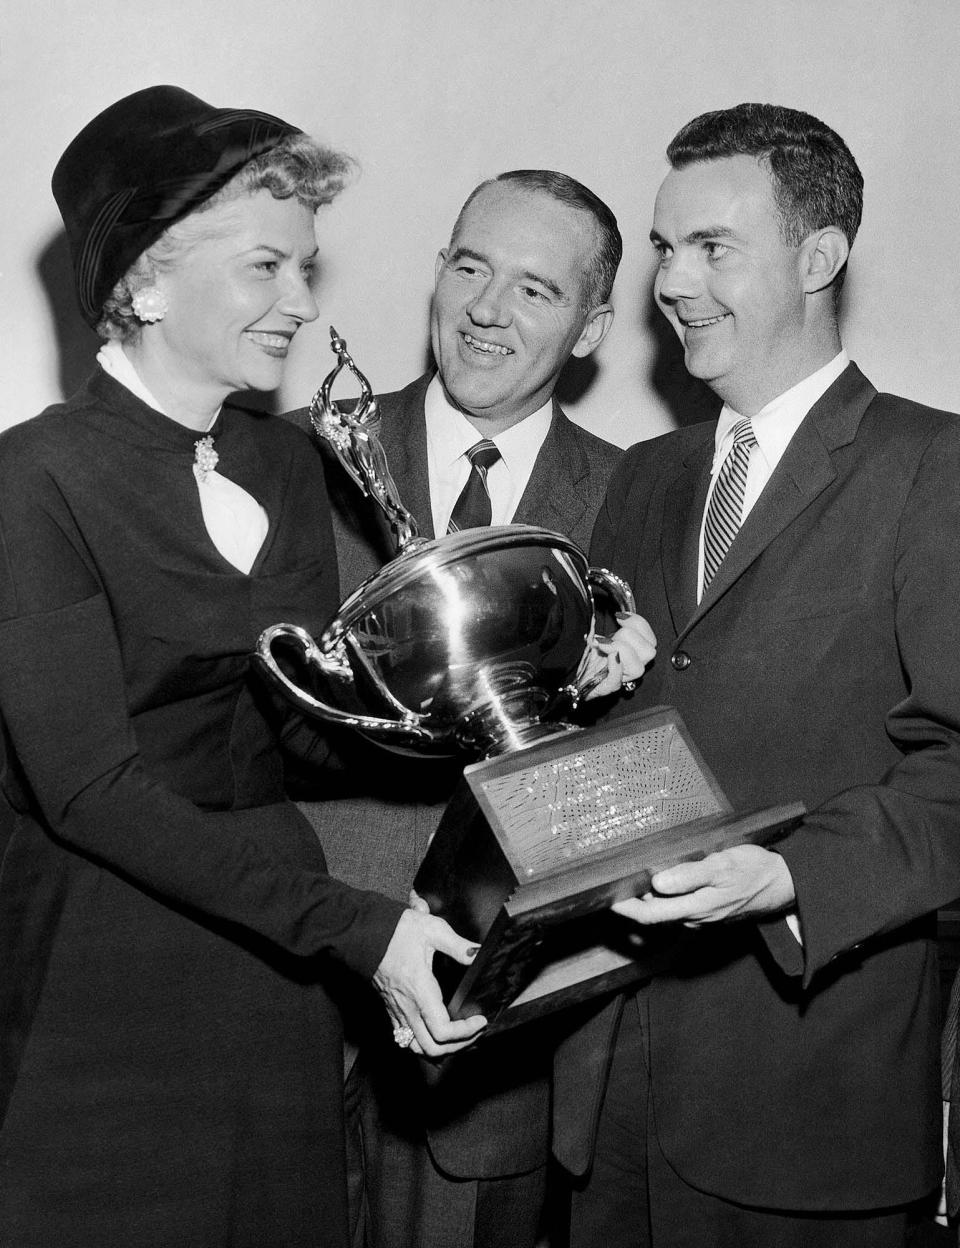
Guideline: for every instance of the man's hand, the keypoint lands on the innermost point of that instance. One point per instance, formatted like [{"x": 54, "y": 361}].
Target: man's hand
[
  {"x": 411, "y": 993},
  {"x": 612, "y": 662},
  {"x": 732, "y": 884}
]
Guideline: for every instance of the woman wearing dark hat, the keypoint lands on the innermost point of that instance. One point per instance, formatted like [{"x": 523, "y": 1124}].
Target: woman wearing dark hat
[{"x": 171, "y": 1066}]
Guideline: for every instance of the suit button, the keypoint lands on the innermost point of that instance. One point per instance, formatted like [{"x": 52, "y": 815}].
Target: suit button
[{"x": 681, "y": 660}]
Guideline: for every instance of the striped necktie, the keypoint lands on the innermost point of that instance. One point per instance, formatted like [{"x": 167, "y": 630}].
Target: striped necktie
[
  {"x": 725, "y": 509},
  {"x": 472, "y": 509}
]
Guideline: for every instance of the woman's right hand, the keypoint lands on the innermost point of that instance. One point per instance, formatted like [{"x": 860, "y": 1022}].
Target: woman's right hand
[{"x": 410, "y": 992}]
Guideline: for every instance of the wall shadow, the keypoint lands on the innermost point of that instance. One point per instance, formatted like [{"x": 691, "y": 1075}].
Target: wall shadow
[
  {"x": 687, "y": 399},
  {"x": 76, "y": 342},
  {"x": 575, "y": 380}
]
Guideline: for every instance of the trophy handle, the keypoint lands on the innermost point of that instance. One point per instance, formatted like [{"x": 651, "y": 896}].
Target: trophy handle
[
  {"x": 330, "y": 665},
  {"x": 615, "y": 586}
]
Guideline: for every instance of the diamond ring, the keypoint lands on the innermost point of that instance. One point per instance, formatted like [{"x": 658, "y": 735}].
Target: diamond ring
[{"x": 403, "y": 1036}]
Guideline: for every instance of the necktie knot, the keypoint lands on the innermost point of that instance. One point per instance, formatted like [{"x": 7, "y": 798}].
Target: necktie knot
[
  {"x": 473, "y": 509},
  {"x": 483, "y": 455},
  {"x": 743, "y": 434}
]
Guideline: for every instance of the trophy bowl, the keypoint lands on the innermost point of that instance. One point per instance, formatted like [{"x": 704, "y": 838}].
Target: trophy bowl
[{"x": 472, "y": 642}]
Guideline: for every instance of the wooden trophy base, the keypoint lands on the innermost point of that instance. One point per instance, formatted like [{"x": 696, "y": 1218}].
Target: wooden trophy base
[{"x": 536, "y": 845}]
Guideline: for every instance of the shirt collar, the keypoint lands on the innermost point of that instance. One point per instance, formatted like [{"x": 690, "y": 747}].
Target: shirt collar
[
  {"x": 450, "y": 434},
  {"x": 776, "y": 423},
  {"x": 114, "y": 360}
]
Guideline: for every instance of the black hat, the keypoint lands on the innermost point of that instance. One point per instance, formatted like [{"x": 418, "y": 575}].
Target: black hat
[{"x": 142, "y": 164}]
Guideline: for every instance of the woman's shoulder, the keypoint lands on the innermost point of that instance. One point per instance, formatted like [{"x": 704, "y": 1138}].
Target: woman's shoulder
[
  {"x": 45, "y": 437},
  {"x": 275, "y": 435}
]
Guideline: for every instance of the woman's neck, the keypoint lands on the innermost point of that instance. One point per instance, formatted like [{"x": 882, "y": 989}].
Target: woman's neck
[{"x": 190, "y": 403}]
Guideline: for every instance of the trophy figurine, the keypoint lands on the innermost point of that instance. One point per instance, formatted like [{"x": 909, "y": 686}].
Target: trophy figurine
[{"x": 474, "y": 644}]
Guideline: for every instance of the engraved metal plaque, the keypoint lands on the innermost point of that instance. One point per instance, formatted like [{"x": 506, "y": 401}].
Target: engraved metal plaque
[
  {"x": 537, "y": 844},
  {"x": 602, "y": 790}
]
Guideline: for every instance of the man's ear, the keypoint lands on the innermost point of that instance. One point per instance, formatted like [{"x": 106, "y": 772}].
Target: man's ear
[
  {"x": 441, "y": 261},
  {"x": 823, "y": 255},
  {"x": 595, "y": 329}
]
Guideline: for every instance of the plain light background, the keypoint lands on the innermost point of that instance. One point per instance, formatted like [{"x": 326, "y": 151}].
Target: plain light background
[{"x": 432, "y": 96}]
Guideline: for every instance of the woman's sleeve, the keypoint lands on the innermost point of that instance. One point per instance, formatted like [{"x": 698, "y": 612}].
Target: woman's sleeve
[{"x": 62, "y": 697}]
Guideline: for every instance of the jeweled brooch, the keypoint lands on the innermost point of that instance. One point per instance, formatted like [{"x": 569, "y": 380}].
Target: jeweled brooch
[{"x": 206, "y": 458}]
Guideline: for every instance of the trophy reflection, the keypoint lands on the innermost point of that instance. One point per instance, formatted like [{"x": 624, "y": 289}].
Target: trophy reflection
[{"x": 475, "y": 644}]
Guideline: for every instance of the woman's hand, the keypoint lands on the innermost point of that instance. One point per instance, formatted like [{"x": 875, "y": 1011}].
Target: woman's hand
[
  {"x": 410, "y": 992},
  {"x": 612, "y": 663}
]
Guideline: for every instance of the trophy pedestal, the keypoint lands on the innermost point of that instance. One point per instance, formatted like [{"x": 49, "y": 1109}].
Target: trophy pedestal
[{"x": 536, "y": 844}]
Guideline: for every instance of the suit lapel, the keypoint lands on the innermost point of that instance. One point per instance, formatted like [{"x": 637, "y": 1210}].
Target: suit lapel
[
  {"x": 404, "y": 437},
  {"x": 804, "y": 472},
  {"x": 552, "y": 498},
  {"x": 680, "y": 537}
]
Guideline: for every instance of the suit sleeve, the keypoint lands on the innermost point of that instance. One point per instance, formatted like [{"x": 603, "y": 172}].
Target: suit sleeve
[
  {"x": 63, "y": 700},
  {"x": 875, "y": 857}
]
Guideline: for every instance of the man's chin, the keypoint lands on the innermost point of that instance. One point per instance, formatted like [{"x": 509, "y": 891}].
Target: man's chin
[
  {"x": 475, "y": 401},
  {"x": 700, "y": 363}
]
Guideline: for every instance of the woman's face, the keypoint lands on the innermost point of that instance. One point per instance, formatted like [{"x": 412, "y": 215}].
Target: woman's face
[{"x": 237, "y": 295}]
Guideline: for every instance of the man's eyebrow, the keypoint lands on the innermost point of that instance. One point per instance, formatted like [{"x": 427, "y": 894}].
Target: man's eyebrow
[
  {"x": 546, "y": 283},
  {"x": 699, "y": 236},
  {"x": 465, "y": 253}
]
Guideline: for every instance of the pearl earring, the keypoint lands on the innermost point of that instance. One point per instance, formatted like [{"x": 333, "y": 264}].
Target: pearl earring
[{"x": 149, "y": 304}]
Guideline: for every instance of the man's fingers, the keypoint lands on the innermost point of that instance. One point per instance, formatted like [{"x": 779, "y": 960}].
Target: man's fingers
[
  {"x": 685, "y": 877},
  {"x": 650, "y": 910},
  {"x": 416, "y": 902},
  {"x": 636, "y": 626}
]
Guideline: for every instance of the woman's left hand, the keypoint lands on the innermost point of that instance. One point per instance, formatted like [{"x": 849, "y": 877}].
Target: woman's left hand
[
  {"x": 410, "y": 992},
  {"x": 613, "y": 663}
]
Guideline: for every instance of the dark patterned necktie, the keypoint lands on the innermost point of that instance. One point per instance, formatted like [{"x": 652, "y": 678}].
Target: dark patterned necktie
[
  {"x": 725, "y": 509},
  {"x": 472, "y": 509}
]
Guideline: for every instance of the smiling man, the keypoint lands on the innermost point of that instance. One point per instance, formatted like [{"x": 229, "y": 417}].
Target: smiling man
[
  {"x": 458, "y": 1157},
  {"x": 797, "y": 560}
]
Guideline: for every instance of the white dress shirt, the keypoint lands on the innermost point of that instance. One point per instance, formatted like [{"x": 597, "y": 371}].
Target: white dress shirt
[
  {"x": 236, "y": 522},
  {"x": 450, "y": 435},
  {"x": 773, "y": 427}
]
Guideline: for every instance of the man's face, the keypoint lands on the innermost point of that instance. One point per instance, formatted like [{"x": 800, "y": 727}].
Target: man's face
[
  {"x": 507, "y": 311},
  {"x": 728, "y": 283}
]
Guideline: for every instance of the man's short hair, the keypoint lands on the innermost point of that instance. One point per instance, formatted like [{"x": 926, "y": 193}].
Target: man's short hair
[
  {"x": 816, "y": 181},
  {"x": 567, "y": 190}
]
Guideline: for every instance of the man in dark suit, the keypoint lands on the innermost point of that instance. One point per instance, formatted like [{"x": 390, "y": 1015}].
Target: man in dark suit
[
  {"x": 457, "y": 1156},
  {"x": 797, "y": 561}
]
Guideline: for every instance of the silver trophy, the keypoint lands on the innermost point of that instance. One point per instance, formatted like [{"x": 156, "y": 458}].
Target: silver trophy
[{"x": 475, "y": 643}]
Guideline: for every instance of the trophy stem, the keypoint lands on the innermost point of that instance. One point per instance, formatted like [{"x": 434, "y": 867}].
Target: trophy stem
[{"x": 508, "y": 722}]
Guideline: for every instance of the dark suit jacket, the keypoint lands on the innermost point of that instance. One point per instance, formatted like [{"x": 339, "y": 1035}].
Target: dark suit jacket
[
  {"x": 375, "y": 830},
  {"x": 822, "y": 665}
]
